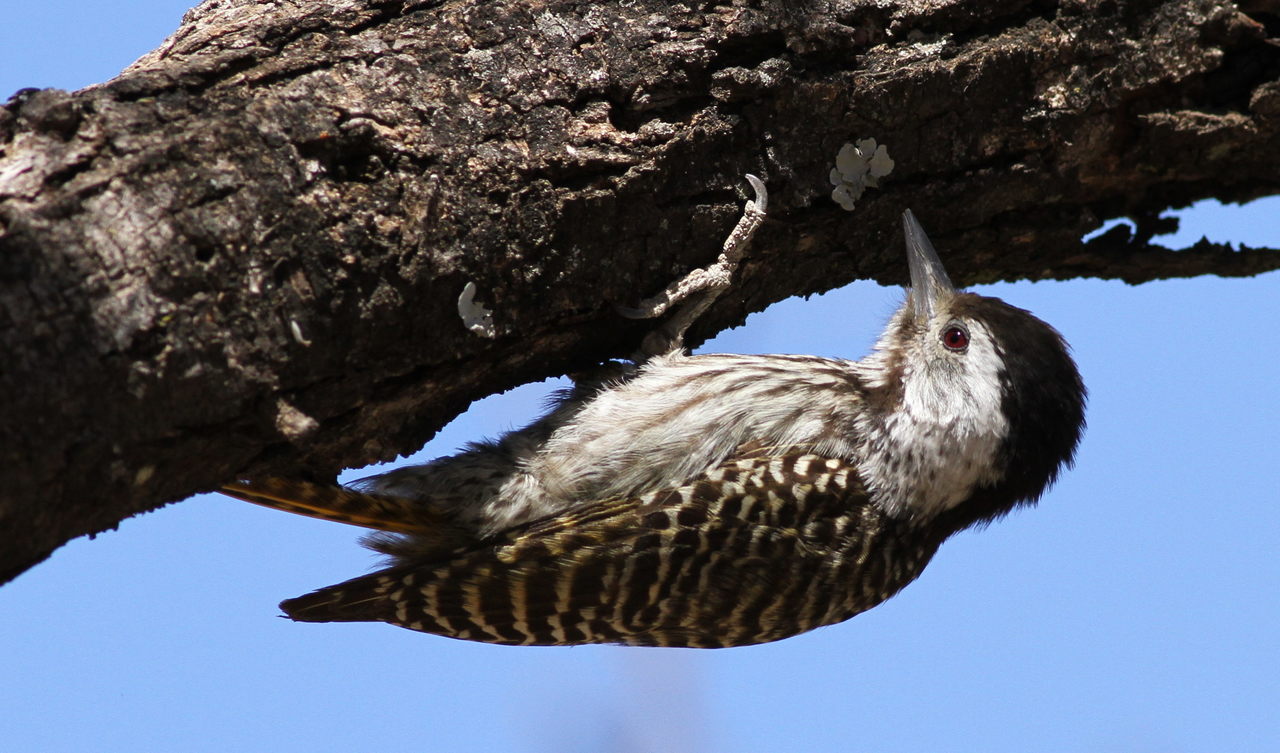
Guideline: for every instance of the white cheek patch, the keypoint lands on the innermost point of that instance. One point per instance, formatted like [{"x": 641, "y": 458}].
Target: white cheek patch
[{"x": 948, "y": 435}]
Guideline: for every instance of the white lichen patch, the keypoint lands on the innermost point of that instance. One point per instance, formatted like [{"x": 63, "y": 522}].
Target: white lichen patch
[
  {"x": 143, "y": 475},
  {"x": 475, "y": 316},
  {"x": 858, "y": 168},
  {"x": 292, "y": 422},
  {"x": 295, "y": 329}
]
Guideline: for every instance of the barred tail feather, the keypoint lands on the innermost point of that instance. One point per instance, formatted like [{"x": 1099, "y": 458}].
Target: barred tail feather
[
  {"x": 330, "y": 502},
  {"x": 361, "y": 599}
]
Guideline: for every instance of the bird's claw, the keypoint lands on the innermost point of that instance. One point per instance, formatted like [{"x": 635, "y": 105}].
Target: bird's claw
[{"x": 701, "y": 287}]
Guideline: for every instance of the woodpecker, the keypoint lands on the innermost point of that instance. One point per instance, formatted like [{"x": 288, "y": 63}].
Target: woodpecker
[{"x": 718, "y": 500}]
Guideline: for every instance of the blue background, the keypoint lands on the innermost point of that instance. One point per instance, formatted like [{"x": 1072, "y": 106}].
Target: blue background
[{"x": 1134, "y": 610}]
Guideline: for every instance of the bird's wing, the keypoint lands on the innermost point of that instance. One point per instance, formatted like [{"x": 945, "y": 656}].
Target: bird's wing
[{"x": 750, "y": 551}]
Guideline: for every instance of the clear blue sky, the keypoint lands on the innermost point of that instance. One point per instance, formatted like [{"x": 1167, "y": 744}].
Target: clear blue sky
[{"x": 1135, "y": 610}]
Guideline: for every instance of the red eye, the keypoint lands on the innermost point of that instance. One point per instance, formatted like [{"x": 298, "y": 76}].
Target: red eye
[{"x": 955, "y": 338}]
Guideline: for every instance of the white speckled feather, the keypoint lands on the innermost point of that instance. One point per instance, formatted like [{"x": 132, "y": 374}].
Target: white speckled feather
[{"x": 678, "y": 416}]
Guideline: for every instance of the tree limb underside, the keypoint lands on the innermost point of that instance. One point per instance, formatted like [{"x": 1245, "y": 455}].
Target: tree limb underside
[{"x": 244, "y": 254}]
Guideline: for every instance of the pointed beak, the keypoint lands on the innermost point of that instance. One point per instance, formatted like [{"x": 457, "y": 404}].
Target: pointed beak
[{"x": 930, "y": 286}]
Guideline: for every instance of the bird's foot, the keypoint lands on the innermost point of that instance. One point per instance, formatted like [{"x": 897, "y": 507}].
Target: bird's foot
[{"x": 696, "y": 291}]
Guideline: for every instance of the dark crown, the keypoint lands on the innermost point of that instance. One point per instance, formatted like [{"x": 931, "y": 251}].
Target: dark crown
[{"x": 1043, "y": 398}]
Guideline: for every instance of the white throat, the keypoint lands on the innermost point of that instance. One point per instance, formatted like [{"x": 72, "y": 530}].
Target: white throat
[{"x": 942, "y": 439}]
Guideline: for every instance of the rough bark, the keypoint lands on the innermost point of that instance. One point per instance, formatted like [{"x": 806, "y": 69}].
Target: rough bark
[{"x": 243, "y": 255}]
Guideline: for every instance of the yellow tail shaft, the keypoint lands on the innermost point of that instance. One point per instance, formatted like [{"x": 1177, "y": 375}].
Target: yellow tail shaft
[{"x": 329, "y": 502}]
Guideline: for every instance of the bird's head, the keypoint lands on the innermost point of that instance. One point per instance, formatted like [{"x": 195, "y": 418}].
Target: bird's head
[{"x": 978, "y": 404}]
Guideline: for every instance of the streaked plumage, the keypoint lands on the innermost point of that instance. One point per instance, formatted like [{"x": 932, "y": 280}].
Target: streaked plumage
[{"x": 719, "y": 500}]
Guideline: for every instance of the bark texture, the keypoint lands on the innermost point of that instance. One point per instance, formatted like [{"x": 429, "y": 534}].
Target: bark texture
[{"x": 243, "y": 255}]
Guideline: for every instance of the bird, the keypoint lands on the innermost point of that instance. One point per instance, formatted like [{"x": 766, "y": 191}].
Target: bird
[{"x": 718, "y": 500}]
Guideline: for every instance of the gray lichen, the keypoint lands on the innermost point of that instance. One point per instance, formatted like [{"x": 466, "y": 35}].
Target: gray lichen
[{"x": 857, "y": 169}]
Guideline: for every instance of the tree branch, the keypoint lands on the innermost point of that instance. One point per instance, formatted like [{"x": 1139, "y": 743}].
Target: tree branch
[{"x": 244, "y": 255}]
